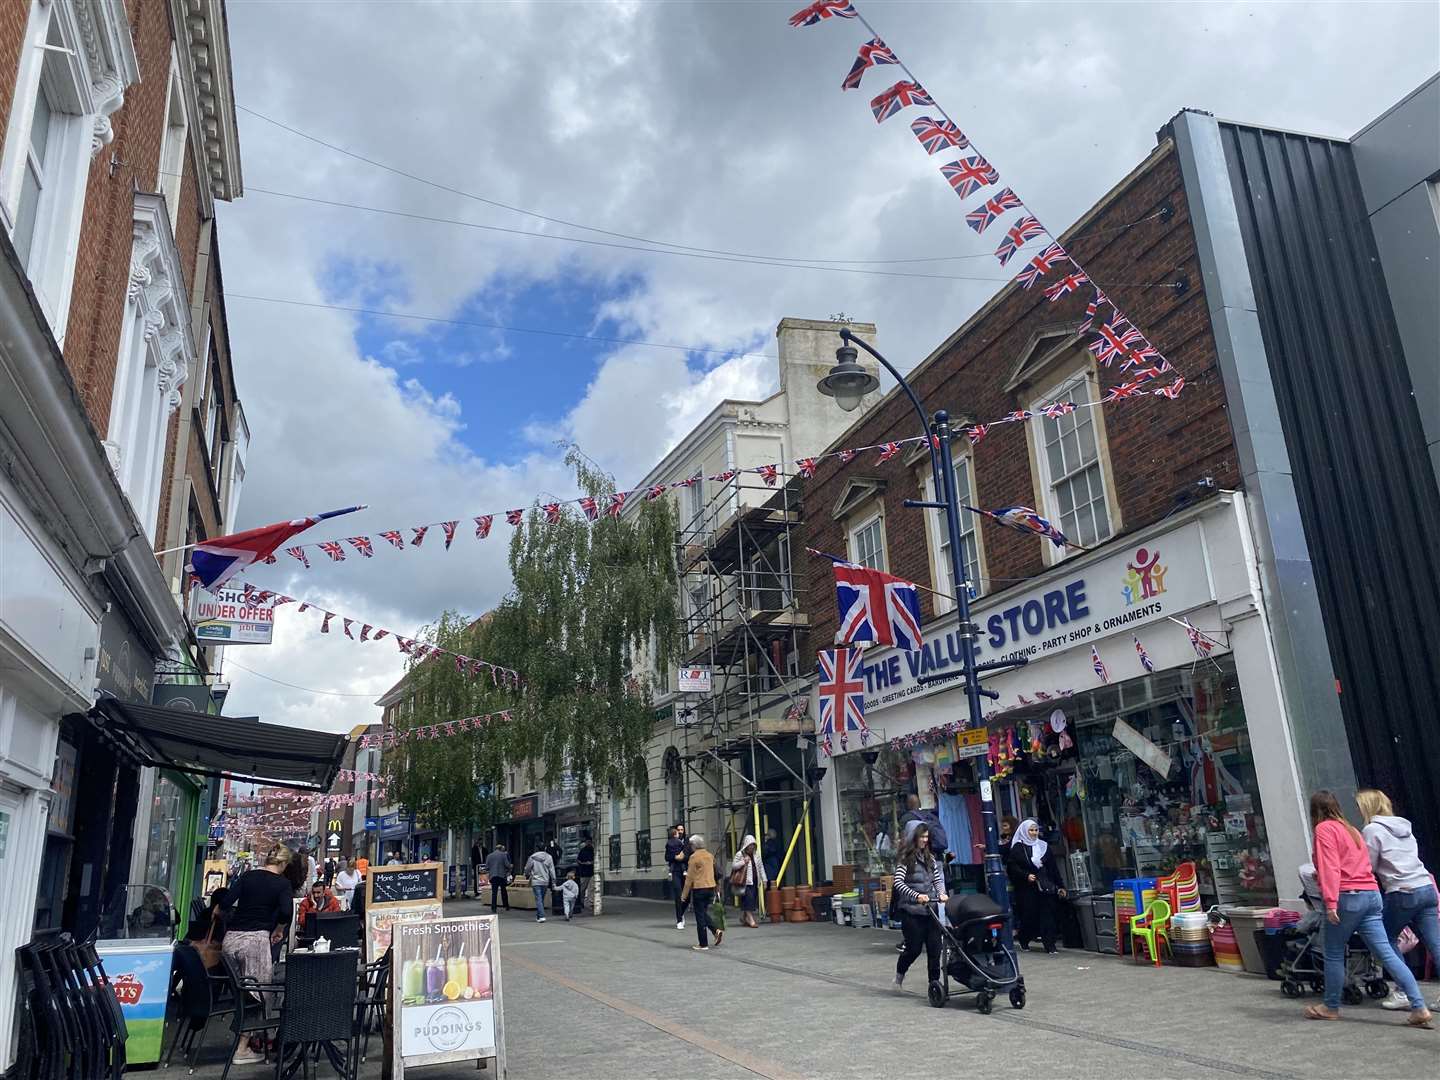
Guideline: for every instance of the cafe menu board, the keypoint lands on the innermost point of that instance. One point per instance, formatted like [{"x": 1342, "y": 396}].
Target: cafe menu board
[
  {"x": 399, "y": 894},
  {"x": 447, "y": 993}
]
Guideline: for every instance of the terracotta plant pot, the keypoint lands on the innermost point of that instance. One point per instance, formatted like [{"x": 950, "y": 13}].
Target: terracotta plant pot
[
  {"x": 796, "y": 915},
  {"x": 772, "y": 903},
  {"x": 787, "y": 897}
]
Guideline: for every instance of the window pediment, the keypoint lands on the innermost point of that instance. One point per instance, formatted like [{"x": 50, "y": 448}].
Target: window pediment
[
  {"x": 1046, "y": 349},
  {"x": 857, "y": 492}
]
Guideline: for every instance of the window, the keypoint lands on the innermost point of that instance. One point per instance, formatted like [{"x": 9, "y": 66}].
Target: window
[
  {"x": 642, "y": 809},
  {"x": 695, "y": 499},
  {"x": 1073, "y": 474},
  {"x": 614, "y": 809},
  {"x": 174, "y": 142},
  {"x": 940, "y": 538},
  {"x": 867, "y": 543},
  {"x": 76, "y": 60}
]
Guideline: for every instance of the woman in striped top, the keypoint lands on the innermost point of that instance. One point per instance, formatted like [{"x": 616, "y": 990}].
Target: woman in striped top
[{"x": 919, "y": 882}]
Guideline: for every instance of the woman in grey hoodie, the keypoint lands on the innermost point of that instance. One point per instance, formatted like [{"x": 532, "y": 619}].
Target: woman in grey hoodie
[{"x": 1409, "y": 888}]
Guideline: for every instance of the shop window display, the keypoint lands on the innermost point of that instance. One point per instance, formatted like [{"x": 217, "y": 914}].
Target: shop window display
[{"x": 872, "y": 801}]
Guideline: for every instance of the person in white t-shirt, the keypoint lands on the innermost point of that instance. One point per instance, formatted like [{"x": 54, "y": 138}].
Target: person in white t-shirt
[{"x": 345, "y": 882}]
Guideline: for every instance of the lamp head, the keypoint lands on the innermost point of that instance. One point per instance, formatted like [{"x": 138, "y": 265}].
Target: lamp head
[{"x": 847, "y": 382}]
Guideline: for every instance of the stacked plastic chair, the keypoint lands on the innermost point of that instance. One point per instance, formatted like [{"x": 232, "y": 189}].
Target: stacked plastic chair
[{"x": 1181, "y": 888}]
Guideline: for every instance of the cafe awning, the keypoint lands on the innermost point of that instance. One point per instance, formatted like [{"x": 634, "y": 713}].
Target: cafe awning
[{"x": 236, "y": 747}]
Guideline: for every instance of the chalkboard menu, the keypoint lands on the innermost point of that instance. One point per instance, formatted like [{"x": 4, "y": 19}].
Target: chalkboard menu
[{"x": 404, "y": 884}]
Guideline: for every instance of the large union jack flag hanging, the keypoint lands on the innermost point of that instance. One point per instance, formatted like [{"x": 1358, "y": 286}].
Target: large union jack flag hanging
[
  {"x": 1019, "y": 234},
  {"x": 1041, "y": 265},
  {"x": 969, "y": 175},
  {"x": 823, "y": 9},
  {"x": 876, "y": 608},
  {"x": 904, "y": 93},
  {"x": 842, "y": 697},
  {"x": 1025, "y": 520},
  {"x": 872, "y": 54},
  {"x": 980, "y": 218},
  {"x": 935, "y": 135}
]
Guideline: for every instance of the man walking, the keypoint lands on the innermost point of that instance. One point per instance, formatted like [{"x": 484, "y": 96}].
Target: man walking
[
  {"x": 677, "y": 858},
  {"x": 584, "y": 868},
  {"x": 540, "y": 869},
  {"x": 498, "y": 867}
]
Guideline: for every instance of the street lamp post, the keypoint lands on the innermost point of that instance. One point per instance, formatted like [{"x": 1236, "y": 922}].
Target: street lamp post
[{"x": 848, "y": 383}]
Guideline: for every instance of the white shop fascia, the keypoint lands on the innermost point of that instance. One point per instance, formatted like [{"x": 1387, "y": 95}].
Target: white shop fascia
[{"x": 1193, "y": 565}]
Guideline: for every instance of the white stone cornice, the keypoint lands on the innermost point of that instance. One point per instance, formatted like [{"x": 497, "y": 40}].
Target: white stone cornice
[
  {"x": 203, "y": 41},
  {"x": 157, "y": 289},
  {"x": 107, "y": 55}
]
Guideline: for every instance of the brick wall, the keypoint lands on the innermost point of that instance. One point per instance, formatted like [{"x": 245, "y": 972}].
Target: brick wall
[
  {"x": 14, "y": 15},
  {"x": 1156, "y": 446}
]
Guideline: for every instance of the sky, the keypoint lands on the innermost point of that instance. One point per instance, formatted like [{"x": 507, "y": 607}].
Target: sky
[{"x": 425, "y": 312}]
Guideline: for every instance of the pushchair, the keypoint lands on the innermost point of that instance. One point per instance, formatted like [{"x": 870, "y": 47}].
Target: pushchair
[
  {"x": 973, "y": 953},
  {"x": 1303, "y": 968}
]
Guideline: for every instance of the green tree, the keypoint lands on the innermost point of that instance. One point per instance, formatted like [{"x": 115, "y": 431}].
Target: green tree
[{"x": 587, "y": 601}]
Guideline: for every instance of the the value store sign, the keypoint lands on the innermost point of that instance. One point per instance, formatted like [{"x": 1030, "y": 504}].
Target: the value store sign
[{"x": 1139, "y": 584}]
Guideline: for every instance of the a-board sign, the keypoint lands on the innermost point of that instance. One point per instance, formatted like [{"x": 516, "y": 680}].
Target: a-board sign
[
  {"x": 403, "y": 884},
  {"x": 447, "y": 993}
]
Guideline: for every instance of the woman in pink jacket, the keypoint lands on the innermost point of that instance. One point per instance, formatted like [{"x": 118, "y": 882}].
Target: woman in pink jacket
[{"x": 1352, "y": 905}]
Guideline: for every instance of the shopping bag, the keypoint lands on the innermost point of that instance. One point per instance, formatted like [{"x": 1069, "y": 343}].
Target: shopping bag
[
  {"x": 717, "y": 915},
  {"x": 1407, "y": 940}
]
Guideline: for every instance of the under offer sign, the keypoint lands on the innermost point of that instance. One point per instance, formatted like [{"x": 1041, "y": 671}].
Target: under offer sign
[{"x": 225, "y": 618}]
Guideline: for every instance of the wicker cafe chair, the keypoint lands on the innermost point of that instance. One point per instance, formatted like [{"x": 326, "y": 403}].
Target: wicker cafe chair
[{"x": 318, "y": 1012}]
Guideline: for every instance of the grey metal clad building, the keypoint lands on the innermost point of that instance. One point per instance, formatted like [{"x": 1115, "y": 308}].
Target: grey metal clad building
[{"x": 1321, "y": 259}]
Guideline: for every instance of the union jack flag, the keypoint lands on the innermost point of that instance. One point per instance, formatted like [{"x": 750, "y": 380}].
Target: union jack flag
[
  {"x": 379, "y": 634},
  {"x": 1125, "y": 390},
  {"x": 482, "y": 526},
  {"x": 842, "y": 695},
  {"x": 552, "y": 513},
  {"x": 325, "y": 622},
  {"x": 299, "y": 553},
  {"x": 1198, "y": 641},
  {"x": 976, "y": 432},
  {"x": 514, "y": 517},
  {"x": 1143, "y": 352},
  {"x": 1057, "y": 409},
  {"x": 872, "y": 54},
  {"x": 459, "y": 665},
  {"x": 419, "y": 537},
  {"x": 334, "y": 550},
  {"x": 723, "y": 477},
  {"x": 1173, "y": 390},
  {"x": 365, "y": 632},
  {"x": 969, "y": 175},
  {"x": 448, "y": 528},
  {"x": 362, "y": 545},
  {"x": 1092, "y": 309},
  {"x": 279, "y": 600},
  {"x": 902, "y": 94},
  {"x": 935, "y": 135},
  {"x": 876, "y": 608},
  {"x": 823, "y": 9},
  {"x": 304, "y": 607},
  {"x": 1145, "y": 373},
  {"x": 1099, "y": 665},
  {"x": 805, "y": 467},
  {"x": 1043, "y": 696},
  {"x": 1018, "y": 416},
  {"x": 980, "y": 218},
  {"x": 769, "y": 473},
  {"x": 1021, "y": 233},
  {"x": 656, "y": 490},
  {"x": 691, "y": 482},
  {"x": 1023, "y": 519},
  {"x": 889, "y": 450},
  {"x": 617, "y": 503},
  {"x": 1113, "y": 339},
  {"x": 396, "y": 540},
  {"x": 1041, "y": 265},
  {"x": 1068, "y": 283},
  {"x": 589, "y": 507},
  {"x": 348, "y": 623},
  {"x": 846, "y": 456},
  {"x": 1145, "y": 661}
]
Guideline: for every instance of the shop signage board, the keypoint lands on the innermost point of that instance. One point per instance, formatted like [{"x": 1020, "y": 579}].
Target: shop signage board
[
  {"x": 694, "y": 680},
  {"x": 972, "y": 743},
  {"x": 139, "y": 974},
  {"x": 398, "y": 895},
  {"x": 447, "y": 988},
  {"x": 1141, "y": 583},
  {"x": 225, "y": 617}
]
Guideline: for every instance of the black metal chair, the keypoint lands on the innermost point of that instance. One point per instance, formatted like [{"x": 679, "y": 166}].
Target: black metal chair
[
  {"x": 44, "y": 1052},
  {"x": 203, "y": 999},
  {"x": 318, "y": 1013},
  {"x": 249, "y": 1016},
  {"x": 372, "y": 1010},
  {"x": 341, "y": 929},
  {"x": 199, "y": 908},
  {"x": 110, "y": 1017}
]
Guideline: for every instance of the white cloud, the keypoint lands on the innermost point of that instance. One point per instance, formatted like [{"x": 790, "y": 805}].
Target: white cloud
[{"x": 714, "y": 125}]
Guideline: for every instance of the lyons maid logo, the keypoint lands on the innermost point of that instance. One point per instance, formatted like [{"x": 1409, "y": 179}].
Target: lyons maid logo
[{"x": 1144, "y": 577}]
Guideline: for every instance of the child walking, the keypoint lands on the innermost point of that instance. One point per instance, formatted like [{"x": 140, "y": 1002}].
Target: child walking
[{"x": 570, "y": 891}]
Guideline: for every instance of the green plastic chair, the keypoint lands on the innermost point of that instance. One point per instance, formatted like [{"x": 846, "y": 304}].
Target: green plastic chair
[{"x": 1151, "y": 926}]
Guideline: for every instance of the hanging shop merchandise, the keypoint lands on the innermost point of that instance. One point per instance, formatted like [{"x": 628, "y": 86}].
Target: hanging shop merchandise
[{"x": 1159, "y": 766}]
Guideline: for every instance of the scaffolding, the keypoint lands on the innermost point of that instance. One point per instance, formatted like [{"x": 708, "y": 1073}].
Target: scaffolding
[{"x": 744, "y": 621}]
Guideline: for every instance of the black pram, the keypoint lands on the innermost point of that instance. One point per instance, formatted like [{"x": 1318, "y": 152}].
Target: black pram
[{"x": 973, "y": 952}]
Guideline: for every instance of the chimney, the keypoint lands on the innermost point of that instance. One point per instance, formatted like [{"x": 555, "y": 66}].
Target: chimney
[{"x": 807, "y": 352}]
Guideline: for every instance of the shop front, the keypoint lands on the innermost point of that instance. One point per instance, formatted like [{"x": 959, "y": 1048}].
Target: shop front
[{"x": 1174, "y": 755}]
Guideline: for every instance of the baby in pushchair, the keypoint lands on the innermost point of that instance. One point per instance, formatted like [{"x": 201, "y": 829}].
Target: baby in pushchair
[{"x": 1304, "y": 965}]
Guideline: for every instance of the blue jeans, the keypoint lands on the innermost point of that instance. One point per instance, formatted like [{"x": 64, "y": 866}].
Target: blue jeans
[
  {"x": 1360, "y": 914},
  {"x": 539, "y": 891},
  {"x": 1415, "y": 909}
]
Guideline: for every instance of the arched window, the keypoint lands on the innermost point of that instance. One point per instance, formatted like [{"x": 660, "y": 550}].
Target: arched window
[{"x": 674, "y": 772}]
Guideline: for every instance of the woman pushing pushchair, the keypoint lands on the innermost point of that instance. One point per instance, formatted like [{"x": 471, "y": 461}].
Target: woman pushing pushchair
[{"x": 919, "y": 883}]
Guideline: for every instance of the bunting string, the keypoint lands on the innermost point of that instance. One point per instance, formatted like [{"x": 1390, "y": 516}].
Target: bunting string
[{"x": 393, "y": 737}]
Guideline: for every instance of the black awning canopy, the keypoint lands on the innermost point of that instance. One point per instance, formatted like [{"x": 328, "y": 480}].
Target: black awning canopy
[{"x": 236, "y": 747}]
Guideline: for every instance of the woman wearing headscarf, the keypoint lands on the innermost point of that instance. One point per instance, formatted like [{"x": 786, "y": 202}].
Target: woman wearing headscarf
[
  {"x": 747, "y": 877},
  {"x": 1037, "y": 885},
  {"x": 919, "y": 882}
]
